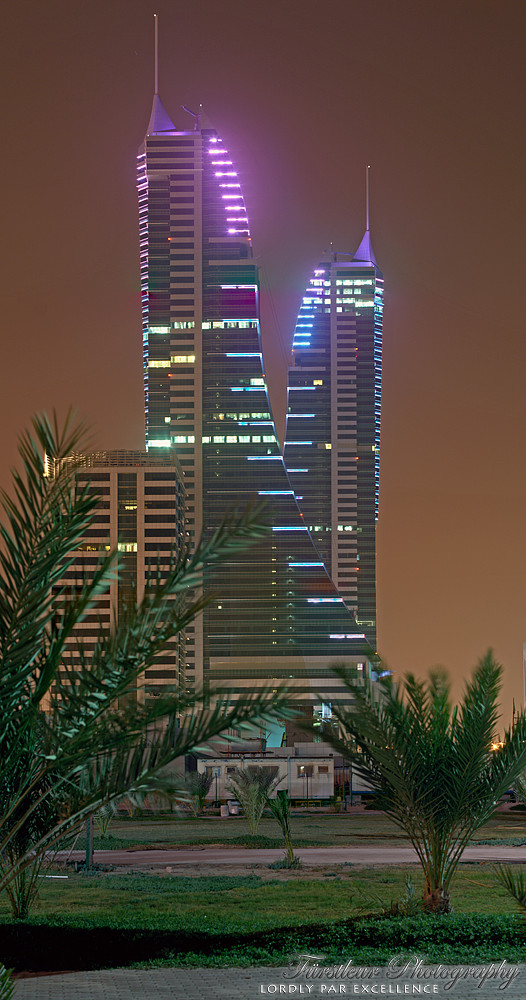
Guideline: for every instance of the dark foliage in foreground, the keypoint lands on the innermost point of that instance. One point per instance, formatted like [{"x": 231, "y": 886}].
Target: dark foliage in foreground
[{"x": 81, "y": 943}]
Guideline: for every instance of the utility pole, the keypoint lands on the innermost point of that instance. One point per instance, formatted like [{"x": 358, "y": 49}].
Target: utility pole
[{"x": 88, "y": 865}]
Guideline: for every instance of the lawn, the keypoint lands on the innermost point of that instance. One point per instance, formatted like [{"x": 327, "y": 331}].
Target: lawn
[
  {"x": 249, "y": 900},
  {"x": 262, "y": 916},
  {"x": 109, "y": 919},
  {"x": 309, "y": 830}
]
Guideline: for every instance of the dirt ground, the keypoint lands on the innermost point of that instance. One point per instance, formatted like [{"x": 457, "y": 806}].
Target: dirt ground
[{"x": 305, "y": 872}]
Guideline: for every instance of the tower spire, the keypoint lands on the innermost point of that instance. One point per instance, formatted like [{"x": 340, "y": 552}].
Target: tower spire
[
  {"x": 367, "y": 169},
  {"x": 160, "y": 121},
  {"x": 365, "y": 251},
  {"x": 156, "y": 53}
]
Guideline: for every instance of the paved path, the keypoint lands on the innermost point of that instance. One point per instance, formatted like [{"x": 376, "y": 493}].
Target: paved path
[
  {"x": 309, "y": 855},
  {"x": 252, "y": 984}
]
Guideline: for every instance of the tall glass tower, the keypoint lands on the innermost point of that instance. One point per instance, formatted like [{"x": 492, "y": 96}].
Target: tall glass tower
[
  {"x": 333, "y": 421},
  {"x": 275, "y": 611}
]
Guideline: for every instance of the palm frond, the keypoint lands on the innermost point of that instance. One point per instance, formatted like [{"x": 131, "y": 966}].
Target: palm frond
[
  {"x": 431, "y": 766},
  {"x": 514, "y": 882},
  {"x": 86, "y": 751}
]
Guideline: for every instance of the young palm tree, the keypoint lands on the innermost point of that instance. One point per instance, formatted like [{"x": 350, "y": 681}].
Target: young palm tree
[
  {"x": 252, "y": 786},
  {"x": 280, "y": 809},
  {"x": 432, "y": 766},
  {"x": 59, "y": 766},
  {"x": 198, "y": 786}
]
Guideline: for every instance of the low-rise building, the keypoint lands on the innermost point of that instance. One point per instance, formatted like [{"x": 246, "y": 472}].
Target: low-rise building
[{"x": 309, "y": 772}]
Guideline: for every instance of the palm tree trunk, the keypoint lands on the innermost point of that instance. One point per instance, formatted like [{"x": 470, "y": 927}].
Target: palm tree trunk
[{"x": 436, "y": 899}]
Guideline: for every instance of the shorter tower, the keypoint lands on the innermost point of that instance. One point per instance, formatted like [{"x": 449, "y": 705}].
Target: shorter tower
[
  {"x": 141, "y": 514},
  {"x": 332, "y": 440}
]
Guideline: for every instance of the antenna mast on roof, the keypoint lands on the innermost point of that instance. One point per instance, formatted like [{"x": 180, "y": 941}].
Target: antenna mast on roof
[
  {"x": 195, "y": 116},
  {"x": 156, "y": 56}
]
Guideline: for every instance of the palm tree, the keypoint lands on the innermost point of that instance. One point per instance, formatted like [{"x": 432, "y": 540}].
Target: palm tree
[
  {"x": 431, "y": 766},
  {"x": 198, "y": 786},
  {"x": 253, "y": 785},
  {"x": 83, "y": 752},
  {"x": 280, "y": 809}
]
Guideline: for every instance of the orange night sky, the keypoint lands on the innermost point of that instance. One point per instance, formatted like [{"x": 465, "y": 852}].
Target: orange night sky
[{"x": 431, "y": 94}]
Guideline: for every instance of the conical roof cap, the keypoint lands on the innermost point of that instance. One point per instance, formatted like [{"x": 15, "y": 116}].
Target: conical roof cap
[
  {"x": 160, "y": 121},
  {"x": 365, "y": 251}
]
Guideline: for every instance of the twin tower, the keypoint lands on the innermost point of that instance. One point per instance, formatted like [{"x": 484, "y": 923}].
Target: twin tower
[{"x": 304, "y": 598}]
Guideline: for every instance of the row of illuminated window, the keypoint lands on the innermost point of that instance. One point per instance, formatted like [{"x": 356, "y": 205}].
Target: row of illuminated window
[
  {"x": 241, "y": 324},
  {"x": 214, "y": 439},
  {"x": 354, "y": 281},
  {"x": 175, "y": 359},
  {"x": 238, "y": 439},
  {"x": 241, "y": 416},
  {"x": 364, "y": 303}
]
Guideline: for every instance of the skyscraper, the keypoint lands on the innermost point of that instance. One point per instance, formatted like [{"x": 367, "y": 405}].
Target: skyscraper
[
  {"x": 140, "y": 514},
  {"x": 334, "y": 389},
  {"x": 275, "y": 611}
]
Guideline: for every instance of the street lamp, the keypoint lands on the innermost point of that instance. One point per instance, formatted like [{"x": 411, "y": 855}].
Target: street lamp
[
  {"x": 305, "y": 774},
  {"x": 216, "y": 775}
]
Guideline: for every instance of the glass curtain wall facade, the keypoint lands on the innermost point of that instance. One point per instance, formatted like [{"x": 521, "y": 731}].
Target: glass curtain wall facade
[
  {"x": 275, "y": 611},
  {"x": 332, "y": 442}
]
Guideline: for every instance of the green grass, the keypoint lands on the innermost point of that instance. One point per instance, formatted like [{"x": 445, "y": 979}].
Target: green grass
[
  {"x": 249, "y": 920},
  {"x": 308, "y": 830},
  {"x": 318, "y": 830},
  {"x": 267, "y": 918},
  {"x": 249, "y": 900}
]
